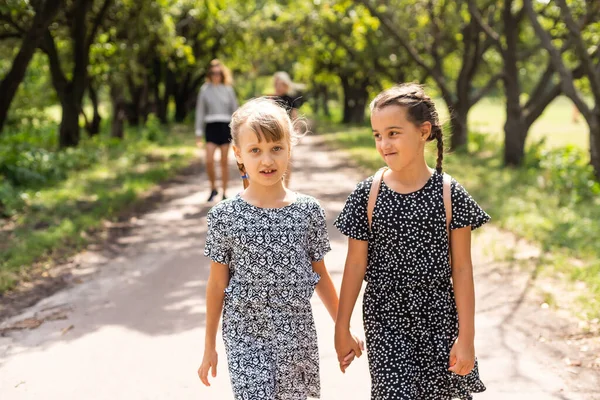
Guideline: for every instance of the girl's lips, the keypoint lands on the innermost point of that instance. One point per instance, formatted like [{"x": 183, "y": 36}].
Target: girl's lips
[
  {"x": 269, "y": 173},
  {"x": 390, "y": 154}
]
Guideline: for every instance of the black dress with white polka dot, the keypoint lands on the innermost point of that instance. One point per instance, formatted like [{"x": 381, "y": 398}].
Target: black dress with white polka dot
[{"x": 409, "y": 310}]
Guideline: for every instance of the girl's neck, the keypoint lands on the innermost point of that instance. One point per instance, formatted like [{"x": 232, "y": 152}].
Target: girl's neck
[
  {"x": 273, "y": 196},
  {"x": 411, "y": 176}
]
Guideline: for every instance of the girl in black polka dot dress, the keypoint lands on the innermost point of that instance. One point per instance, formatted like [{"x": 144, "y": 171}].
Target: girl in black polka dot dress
[{"x": 419, "y": 303}]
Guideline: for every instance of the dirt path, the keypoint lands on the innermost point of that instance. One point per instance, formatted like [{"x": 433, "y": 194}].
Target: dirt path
[{"x": 133, "y": 327}]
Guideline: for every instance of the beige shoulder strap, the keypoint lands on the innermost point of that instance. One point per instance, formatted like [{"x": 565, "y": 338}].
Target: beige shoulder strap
[
  {"x": 447, "y": 201},
  {"x": 374, "y": 193}
]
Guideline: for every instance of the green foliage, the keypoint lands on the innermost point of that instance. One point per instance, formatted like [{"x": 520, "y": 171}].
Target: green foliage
[
  {"x": 59, "y": 196},
  {"x": 567, "y": 173}
]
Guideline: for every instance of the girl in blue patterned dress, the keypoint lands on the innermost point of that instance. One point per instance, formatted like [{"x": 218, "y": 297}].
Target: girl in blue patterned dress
[
  {"x": 267, "y": 247},
  {"x": 418, "y": 307}
]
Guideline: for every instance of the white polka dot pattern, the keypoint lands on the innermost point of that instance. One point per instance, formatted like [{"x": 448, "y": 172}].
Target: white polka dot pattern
[{"x": 409, "y": 311}]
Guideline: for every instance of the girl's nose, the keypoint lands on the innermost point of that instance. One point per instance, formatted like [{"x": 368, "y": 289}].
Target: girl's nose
[{"x": 267, "y": 160}]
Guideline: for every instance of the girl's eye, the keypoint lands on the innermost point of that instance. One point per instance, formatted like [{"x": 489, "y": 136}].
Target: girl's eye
[
  {"x": 377, "y": 136},
  {"x": 277, "y": 148},
  {"x": 394, "y": 133},
  {"x": 254, "y": 150}
]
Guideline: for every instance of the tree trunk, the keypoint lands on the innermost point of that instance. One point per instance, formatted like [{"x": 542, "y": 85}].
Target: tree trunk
[
  {"x": 515, "y": 134},
  {"x": 133, "y": 106},
  {"x": 119, "y": 113},
  {"x": 325, "y": 98},
  {"x": 181, "y": 107},
  {"x": 9, "y": 85},
  {"x": 162, "y": 90},
  {"x": 595, "y": 143},
  {"x": 458, "y": 124},
  {"x": 69, "y": 133},
  {"x": 94, "y": 127},
  {"x": 355, "y": 100},
  {"x": 515, "y": 127}
]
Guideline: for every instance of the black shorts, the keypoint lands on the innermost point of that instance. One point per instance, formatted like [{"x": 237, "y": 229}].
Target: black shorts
[{"x": 218, "y": 133}]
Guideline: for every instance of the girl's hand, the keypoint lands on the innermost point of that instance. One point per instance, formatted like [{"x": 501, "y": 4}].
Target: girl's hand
[
  {"x": 462, "y": 357},
  {"x": 209, "y": 361},
  {"x": 347, "y": 346}
]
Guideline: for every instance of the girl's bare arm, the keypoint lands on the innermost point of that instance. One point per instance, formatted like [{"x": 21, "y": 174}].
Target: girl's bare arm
[
  {"x": 325, "y": 289},
  {"x": 354, "y": 273},
  {"x": 218, "y": 280}
]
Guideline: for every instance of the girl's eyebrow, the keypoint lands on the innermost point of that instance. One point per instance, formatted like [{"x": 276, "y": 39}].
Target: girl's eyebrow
[{"x": 388, "y": 128}]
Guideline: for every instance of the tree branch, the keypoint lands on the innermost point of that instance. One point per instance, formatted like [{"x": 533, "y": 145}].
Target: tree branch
[
  {"x": 97, "y": 22},
  {"x": 586, "y": 61},
  {"x": 485, "y": 90},
  {"x": 489, "y": 31},
  {"x": 59, "y": 79},
  {"x": 566, "y": 77},
  {"x": 10, "y": 35}
]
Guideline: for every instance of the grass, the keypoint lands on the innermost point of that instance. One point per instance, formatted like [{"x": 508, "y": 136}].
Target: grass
[
  {"x": 58, "y": 219},
  {"x": 555, "y": 125},
  {"x": 522, "y": 200}
]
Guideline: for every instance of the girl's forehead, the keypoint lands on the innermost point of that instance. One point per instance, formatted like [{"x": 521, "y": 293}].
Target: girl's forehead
[
  {"x": 247, "y": 136},
  {"x": 388, "y": 113}
]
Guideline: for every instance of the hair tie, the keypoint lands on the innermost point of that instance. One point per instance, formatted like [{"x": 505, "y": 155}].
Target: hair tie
[{"x": 245, "y": 176}]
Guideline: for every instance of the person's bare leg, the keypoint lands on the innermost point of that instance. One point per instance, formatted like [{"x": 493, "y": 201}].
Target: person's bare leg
[
  {"x": 288, "y": 175},
  {"x": 210, "y": 164},
  {"x": 225, "y": 166}
]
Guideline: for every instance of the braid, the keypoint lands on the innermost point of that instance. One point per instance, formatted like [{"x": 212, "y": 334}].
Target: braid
[
  {"x": 244, "y": 175},
  {"x": 440, "y": 149}
]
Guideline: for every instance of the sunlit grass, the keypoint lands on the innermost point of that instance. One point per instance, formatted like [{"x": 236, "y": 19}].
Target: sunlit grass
[{"x": 58, "y": 218}]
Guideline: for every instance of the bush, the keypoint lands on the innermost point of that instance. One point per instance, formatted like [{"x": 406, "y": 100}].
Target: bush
[{"x": 567, "y": 172}]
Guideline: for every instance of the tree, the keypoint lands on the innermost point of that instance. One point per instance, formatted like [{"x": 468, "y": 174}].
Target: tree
[
  {"x": 585, "y": 50},
  {"x": 44, "y": 14},
  {"x": 453, "y": 57},
  {"x": 83, "y": 20},
  {"x": 516, "y": 52}
]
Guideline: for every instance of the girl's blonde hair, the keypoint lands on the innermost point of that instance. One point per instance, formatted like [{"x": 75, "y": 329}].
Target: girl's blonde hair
[
  {"x": 268, "y": 120},
  {"x": 226, "y": 76}
]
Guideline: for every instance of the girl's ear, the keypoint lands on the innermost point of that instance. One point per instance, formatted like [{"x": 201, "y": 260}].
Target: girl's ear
[
  {"x": 425, "y": 130},
  {"x": 238, "y": 154}
]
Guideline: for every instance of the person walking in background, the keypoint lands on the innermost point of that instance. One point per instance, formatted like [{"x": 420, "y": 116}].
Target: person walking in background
[
  {"x": 216, "y": 103},
  {"x": 286, "y": 95}
]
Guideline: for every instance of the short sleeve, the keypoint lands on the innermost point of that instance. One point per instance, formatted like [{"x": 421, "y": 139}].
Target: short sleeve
[
  {"x": 465, "y": 210},
  {"x": 217, "y": 244},
  {"x": 318, "y": 239},
  {"x": 352, "y": 221}
]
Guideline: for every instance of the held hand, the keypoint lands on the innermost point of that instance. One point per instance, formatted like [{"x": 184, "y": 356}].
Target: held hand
[
  {"x": 199, "y": 142},
  {"x": 462, "y": 357},
  {"x": 347, "y": 346},
  {"x": 209, "y": 361}
]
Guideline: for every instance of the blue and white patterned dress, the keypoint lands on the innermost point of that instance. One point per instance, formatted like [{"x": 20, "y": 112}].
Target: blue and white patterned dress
[{"x": 268, "y": 325}]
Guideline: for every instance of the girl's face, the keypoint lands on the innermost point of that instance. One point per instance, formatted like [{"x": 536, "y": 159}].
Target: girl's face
[
  {"x": 280, "y": 87},
  {"x": 265, "y": 162},
  {"x": 215, "y": 75},
  {"x": 398, "y": 141}
]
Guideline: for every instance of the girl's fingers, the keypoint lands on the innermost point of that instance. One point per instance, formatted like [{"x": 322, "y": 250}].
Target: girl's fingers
[
  {"x": 204, "y": 376},
  {"x": 460, "y": 368},
  {"x": 214, "y": 370},
  {"x": 349, "y": 356},
  {"x": 357, "y": 350}
]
